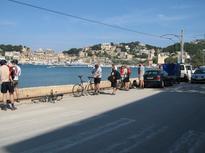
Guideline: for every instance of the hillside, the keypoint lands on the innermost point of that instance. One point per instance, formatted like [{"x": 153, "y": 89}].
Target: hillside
[{"x": 196, "y": 49}]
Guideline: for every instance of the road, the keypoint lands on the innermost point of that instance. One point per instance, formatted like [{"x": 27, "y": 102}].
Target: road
[{"x": 167, "y": 120}]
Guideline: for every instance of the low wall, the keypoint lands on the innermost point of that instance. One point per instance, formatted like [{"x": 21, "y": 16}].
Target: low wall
[{"x": 27, "y": 93}]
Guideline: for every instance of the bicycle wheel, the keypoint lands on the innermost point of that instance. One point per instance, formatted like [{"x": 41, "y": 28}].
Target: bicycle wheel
[
  {"x": 77, "y": 90},
  {"x": 90, "y": 89}
]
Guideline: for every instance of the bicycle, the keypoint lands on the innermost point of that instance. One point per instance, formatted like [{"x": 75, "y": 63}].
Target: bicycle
[
  {"x": 81, "y": 89},
  {"x": 52, "y": 98}
]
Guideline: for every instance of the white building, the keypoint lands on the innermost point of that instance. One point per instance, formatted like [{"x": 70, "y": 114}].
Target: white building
[
  {"x": 106, "y": 46},
  {"x": 12, "y": 55},
  {"x": 161, "y": 58}
]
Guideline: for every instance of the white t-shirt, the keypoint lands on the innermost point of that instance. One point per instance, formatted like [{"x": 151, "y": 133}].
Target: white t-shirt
[
  {"x": 97, "y": 73},
  {"x": 17, "y": 70}
]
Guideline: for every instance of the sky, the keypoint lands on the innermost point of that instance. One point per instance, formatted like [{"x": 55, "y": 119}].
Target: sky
[{"x": 40, "y": 29}]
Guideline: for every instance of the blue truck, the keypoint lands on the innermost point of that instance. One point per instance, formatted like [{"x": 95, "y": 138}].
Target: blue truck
[{"x": 173, "y": 71}]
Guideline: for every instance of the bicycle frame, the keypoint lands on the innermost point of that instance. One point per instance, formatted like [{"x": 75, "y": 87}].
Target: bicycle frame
[{"x": 83, "y": 89}]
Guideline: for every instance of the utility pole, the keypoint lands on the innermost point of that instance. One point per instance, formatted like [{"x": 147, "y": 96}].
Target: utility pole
[{"x": 182, "y": 45}]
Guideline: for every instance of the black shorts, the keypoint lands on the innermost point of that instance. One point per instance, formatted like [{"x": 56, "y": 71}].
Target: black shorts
[
  {"x": 7, "y": 86},
  {"x": 97, "y": 80},
  {"x": 114, "y": 84},
  {"x": 127, "y": 79}
]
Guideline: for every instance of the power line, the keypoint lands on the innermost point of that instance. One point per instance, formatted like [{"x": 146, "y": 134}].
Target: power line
[{"x": 84, "y": 19}]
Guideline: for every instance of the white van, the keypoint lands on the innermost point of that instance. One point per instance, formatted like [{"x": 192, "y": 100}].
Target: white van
[{"x": 186, "y": 72}]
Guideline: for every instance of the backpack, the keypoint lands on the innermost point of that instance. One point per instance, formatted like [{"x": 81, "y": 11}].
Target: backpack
[
  {"x": 12, "y": 72},
  {"x": 129, "y": 71},
  {"x": 118, "y": 76}
]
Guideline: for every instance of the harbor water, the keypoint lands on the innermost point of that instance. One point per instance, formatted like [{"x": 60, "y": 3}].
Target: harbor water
[{"x": 43, "y": 75}]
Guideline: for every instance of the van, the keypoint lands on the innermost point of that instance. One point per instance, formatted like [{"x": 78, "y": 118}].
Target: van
[{"x": 186, "y": 72}]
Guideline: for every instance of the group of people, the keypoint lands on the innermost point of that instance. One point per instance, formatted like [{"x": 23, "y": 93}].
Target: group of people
[
  {"x": 10, "y": 72},
  {"x": 9, "y": 76},
  {"x": 123, "y": 74}
]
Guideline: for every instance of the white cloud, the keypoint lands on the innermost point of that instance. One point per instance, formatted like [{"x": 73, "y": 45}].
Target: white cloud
[{"x": 171, "y": 18}]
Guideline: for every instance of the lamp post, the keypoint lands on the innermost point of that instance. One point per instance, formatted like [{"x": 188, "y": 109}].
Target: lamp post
[{"x": 181, "y": 40}]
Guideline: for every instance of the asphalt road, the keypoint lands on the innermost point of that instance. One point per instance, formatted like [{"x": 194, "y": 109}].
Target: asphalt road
[{"x": 170, "y": 120}]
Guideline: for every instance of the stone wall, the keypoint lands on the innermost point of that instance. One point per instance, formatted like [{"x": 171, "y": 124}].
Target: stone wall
[{"x": 27, "y": 93}]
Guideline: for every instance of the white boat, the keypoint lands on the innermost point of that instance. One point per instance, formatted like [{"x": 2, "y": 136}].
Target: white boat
[{"x": 78, "y": 63}]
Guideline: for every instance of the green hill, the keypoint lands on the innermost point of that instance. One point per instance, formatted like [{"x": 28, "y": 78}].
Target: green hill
[{"x": 195, "y": 49}]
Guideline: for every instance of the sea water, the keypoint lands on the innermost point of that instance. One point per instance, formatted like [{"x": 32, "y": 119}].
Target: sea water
[{"x": 43, "y": 75}]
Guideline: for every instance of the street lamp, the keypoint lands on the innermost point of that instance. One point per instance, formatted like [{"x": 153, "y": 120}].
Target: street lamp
[{"x": 180, "y": 37}]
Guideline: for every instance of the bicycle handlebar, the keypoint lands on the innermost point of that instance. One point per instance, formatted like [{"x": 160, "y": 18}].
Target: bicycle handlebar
[{"x": 90, "y": 77}]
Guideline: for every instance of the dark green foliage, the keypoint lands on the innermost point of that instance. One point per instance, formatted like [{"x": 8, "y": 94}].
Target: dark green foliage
[
  {"x": 9, "y": 47},
  {"x": 96, "y": 47},
  {"x": 155, "y": 60},
  {"x": 171, "y": 60},
  {"x": 72, "y": 51},
  {"x": 195, "y": 50}
]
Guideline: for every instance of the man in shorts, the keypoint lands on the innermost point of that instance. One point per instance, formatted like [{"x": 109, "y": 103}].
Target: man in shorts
[
  {"x": 97, "y": 74},
  {"x": 6, "y": 86}
]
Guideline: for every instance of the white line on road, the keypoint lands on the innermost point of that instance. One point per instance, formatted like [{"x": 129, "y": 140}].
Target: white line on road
[{"x": 133, "y": 141}]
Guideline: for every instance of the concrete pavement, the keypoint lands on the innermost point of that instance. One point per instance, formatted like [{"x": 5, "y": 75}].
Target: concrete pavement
[{"x": 141, "y": 120}]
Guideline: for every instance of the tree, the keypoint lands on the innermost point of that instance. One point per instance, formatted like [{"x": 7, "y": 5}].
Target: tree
[
  {"x": 96, "y": 47},
  {"x": 171, "y": 59},
  {"x": 73, "y": 51},
  {"x": 10, "y": 48},
  {"x": 155, "y": 60}
]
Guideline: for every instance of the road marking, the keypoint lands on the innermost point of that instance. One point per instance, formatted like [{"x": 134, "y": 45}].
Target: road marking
[
  {"x": 66, "y": 143},
  {"x": 89, "y": 120},
  {"x": 135, "y": 140},
  {"x": 189, "y": 142}
]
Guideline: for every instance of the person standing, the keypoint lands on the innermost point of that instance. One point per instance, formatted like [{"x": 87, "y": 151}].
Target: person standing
[
  {"x": 97, "y": 74},
  {"x": 127, "y": 74},
  {"x": 113, "y": 79},
  {"x": 17, "y": 73},
  {"x": 141, "y": 71},
  {"x": 6, "y": 85}
]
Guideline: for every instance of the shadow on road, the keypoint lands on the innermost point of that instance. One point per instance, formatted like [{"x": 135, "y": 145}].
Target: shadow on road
[{"x": 168, "y": 121}]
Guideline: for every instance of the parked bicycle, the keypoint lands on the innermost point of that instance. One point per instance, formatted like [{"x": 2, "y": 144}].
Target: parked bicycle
[
  {"x": 52, "y": 98},
  {"x": 83, "y": 88}
]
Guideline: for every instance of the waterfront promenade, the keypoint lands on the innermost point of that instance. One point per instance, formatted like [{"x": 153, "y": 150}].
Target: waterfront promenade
[{"x": 141, "y": 120}]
